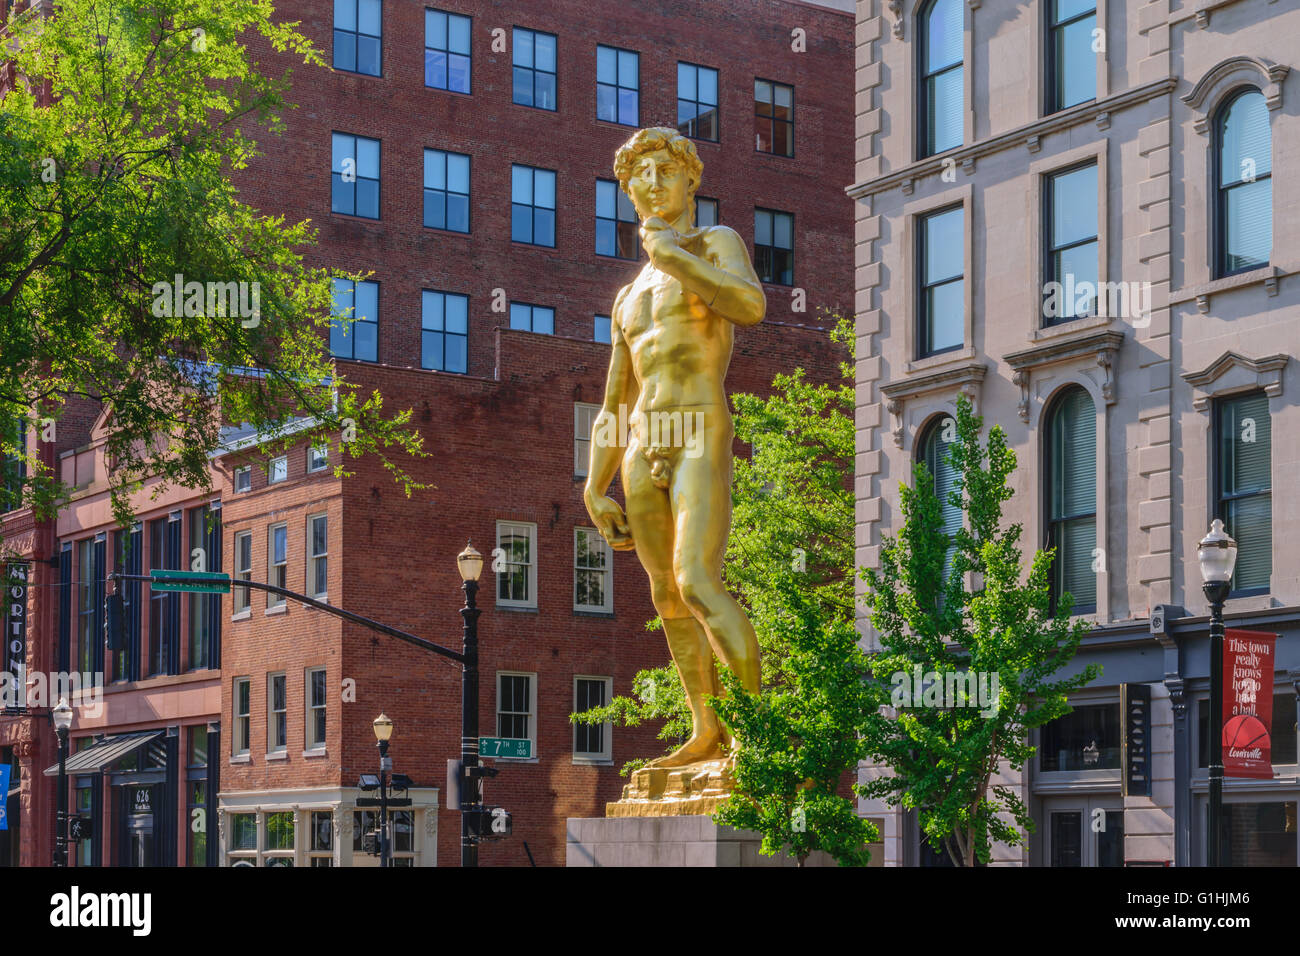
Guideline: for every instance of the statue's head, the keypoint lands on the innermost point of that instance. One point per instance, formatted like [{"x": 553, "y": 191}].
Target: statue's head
[{"x": 660, "y": 171}]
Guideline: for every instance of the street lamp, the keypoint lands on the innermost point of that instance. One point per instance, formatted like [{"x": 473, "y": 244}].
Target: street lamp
[
  {"x": 383, "y": 726},
  {"x": 1217, "y": 555},
  {"x": 61, "y": 715},
  {"x": 470, "y": 564}
]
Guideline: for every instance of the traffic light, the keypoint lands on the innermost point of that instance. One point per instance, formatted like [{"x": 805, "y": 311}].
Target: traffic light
[
  {"x": 490, "y": 823},
  {"x": 114, "y": 614}
]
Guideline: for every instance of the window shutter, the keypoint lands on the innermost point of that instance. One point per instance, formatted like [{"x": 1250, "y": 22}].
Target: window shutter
[
  {"x": 1245, "y": 479},
  {"x": 1073, "y": 495}
]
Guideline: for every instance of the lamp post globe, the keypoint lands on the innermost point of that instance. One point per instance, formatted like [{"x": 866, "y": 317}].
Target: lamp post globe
[
  {"x": 1217, "y": 555},
  {"x": 61, "y": 717},
  {"x": 470, "y": 563},
  {"x": 383, "y": 726}
]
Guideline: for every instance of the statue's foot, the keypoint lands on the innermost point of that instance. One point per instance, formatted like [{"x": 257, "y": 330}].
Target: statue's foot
[{"x": 696, "y": 750}]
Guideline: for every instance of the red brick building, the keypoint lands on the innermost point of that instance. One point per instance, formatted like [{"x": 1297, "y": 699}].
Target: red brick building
[{"x": 461, "y": 153}]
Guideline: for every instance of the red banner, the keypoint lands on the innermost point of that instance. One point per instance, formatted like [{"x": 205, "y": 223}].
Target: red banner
[{"x": 1248, "y": 703}]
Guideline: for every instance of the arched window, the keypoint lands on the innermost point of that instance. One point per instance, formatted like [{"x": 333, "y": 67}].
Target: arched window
[
  {"x": 1243, "y": 180},
  {"x": 936, "y": 444},
  {"x": 1071, "y": 493},
  {"x": 941, "y": 96}
]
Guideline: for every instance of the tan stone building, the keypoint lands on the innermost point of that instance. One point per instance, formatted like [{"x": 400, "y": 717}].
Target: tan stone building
[{"x": 1083, "y": 217}]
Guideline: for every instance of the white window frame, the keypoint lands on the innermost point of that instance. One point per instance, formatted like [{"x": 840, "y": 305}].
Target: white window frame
[
  {"x": 310, "y": 853},
  {"x": 272, "y": 713},
  {"x": 264, "y": 837},
  {"x": 309, "y": 708},
  {"x": 531, "y": 712},
  {"x": 608, "y": 606},
  {"x": 242, "y": 603},
  {"x": 310, "y": 580},
  {"x": 273, "y": 600},
  {"x": 246, "y": 716},
  {"x": 530, "y": 601},
  {"x": 318, "y": 457},
  {"x": 282, "y": 461},
  {"x": 249, "y": 857},
  {"x": 246, "y": 472},
  {"x": 606, "y": 755},
  {"x": 582, "y": 436}
]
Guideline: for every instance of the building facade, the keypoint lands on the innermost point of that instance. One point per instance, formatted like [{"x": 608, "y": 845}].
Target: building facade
[{"x": 1078, "y": 215}]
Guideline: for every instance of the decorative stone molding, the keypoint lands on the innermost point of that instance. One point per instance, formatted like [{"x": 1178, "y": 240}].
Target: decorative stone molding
[
  {"x": 1227, "y": 74},
  {"x": 1265, "y": 373},
  {"x": 908, "y": 187},
  {"x": 968, "y": 165},
  {"x": 431, "y": 823},
  {"x": 1101, "y": 346},
  {"x": 1177, "y": 696},
  {"x": 966, "y": 379},
  {"x": 1103, "y": 119},
  {"x": 896, "y": 8},
  {"x": 1033, "y": 143}
]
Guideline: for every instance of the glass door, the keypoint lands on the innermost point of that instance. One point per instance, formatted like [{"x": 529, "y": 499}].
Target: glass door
[{"x": 1083, "y": 831}]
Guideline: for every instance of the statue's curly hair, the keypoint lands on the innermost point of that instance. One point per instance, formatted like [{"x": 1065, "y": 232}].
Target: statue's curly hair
[{"x": 647, "y": 141}]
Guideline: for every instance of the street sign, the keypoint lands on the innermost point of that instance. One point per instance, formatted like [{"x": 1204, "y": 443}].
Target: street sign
[
  {"x": 504, "y": 747},
  {"x": 204, "y": 582}
]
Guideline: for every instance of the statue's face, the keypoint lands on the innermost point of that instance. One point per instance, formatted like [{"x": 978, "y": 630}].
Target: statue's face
[{"x": 659, "y": 185}]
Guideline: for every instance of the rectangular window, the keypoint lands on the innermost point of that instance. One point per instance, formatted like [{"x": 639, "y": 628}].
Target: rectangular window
[
  {"x": 534, "y": 68},
  {"x": 243, "y": 479},
  {"x": 205, "y": 537},
  {"x": 447, "y": 51},
  {"x": 706, "y": 212},
  {"x": 13, "y": 464},
  {"x": 1087, "y": 738},
  {"x": 774, "y": 246},
  {"x": 697, "y": 101},
  {"x": 616, "y": 222},
  {"x": 591, "y": 741},
  {"x": 243, "y": 834},
  {"x": 359, "y": 338},
  {"x": 1070, "y": 231},
  {"x": 517, "y": 584},
  {"x": 87, "y": 575},
  {"x": 446, "y": 190},
  {"x": 128, "y": 549},
  {"x": 1072, "y": 61},
  {"x": 618, "y": 85},
  {"x": 773, "y": 118},
  {"x": 601, "y": 330},
  {"x": 1244, "y": 484},
  {"x": 516, "y": 707},
  {"x": 940, "y": 56},
  {"x": 941, "y": 282},
  {"x": 164, "y": 606},
  {"x": 584, "y": 418},
  {"x": 277, "y": 557},
  {"x": 532, "y": 318},
  {"x": 532, "y": 205},
  {"x": 317, "y": 557},
  {"x": 593, "y": 571},
  {"x": 318, "y": 457},
  {"x": 242, "y": 707},
  {"x": 358, "y": 35},
  {"x": 279, "y": 839},
  {"x": 444, "y": 331},
  {"x": 354, "y": 175},
  {"x": 277, "y": 470},
  {"x": 321, "y": 847},
  {"x": 315, "y": 696},
  {"x": 243, "y": 568},
  {"x": 277, "y": 724}
]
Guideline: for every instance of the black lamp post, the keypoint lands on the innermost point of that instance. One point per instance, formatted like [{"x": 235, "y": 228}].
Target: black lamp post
[
  {"x": 1217, "y": 556},
  {"x": 61, "y": 716},
  {"x": 470, "y": 563},
  {"x": 383, "y": 730}
]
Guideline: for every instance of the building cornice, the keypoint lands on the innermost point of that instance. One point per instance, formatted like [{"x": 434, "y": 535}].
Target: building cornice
[
  {"x": 966, "y": 378},
  {"x": 1265, "y": 373},
  {"x": 1028, "y": 135}
]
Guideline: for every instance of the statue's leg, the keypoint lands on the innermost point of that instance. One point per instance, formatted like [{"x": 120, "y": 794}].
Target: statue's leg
[{"x": 650, "y": 520}]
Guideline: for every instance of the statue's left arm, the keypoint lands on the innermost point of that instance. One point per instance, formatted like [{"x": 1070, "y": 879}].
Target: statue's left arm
[{"x": 725, "y": 280}]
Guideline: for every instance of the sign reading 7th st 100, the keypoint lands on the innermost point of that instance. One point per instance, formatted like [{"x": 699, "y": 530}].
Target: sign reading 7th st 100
[
  {"x": 504, "y": 747},
  {"x": 204, "y": 582}
]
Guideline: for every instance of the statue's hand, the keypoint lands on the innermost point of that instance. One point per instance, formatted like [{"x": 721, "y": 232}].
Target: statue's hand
[
  {"x": 660, "y": 241},
  {"x": 612, "y": 522}
]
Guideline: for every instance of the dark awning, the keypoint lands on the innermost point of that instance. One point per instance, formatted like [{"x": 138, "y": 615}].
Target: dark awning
[{"x": 98, "y": 756}]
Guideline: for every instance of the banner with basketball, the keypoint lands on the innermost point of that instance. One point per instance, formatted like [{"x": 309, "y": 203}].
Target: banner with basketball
[{"x": 1248, "y": 703}]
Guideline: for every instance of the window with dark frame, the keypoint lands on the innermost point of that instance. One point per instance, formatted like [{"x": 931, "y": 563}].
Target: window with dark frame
[
  {"x": 941, "y": 103},
  {"x": 1282, "y": 736},
  {"x": 532, "y": 318},
  {"x": 318, "y": 556},
  {"x": 242, "y": 706},
  {"x": 1071, "y": 493},
  {"x": 196, "y": 794},
  {"x": 316, "y": 697},
  {"x": 446, "y": 190},
  {"x": 444, "y": 331},
  {"x": 447, "y": 54},
  {"x": 532, "y": 205},
  {"x": 1071, "y": 245},
  {"x": 1243, "y": 179},
  {"x": 533, "y": 58},
  {"x": 706, "y": 212},
  {"x": 601, "y": 329},
  {"x": 774, "y": 246},
  {"x": 697, "y": 101},
  {"x": 277, "y": 553},
  {"x": 13, "y": 466},
  {"x": 514, "y": 706},
  {"x": 87, "y": 574},
  {"x": 618, "y": 85},
  {"x": 941, "y": 285},
  {"x": 205, "y": 536},
  {"x": 277, "y": 714},
  {"x": 243, "y": 569},
  {"x": 358, "y": 338},
  {"x": 1087, "y": 738},
  {"x": 773, "y": 118},
  {"x": 590, "y": 740},
  {"x": 1071, "y": 59},
  {"x": 936, "y": 447},
  {"x": 617, "y": 229},
  {"x": 358, "y": 36},
  {"x": 354, "y": 176},
  {"x": 1243, "y": 482}
]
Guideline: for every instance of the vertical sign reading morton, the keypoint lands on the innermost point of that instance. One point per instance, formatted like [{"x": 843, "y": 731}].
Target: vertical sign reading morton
[{"x": 16, "y": 632}]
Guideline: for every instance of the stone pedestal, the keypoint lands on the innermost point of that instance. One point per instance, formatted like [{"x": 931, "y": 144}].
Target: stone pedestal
[
  {"x": 681, "y": 791},
  {"x": 668, "y": 841}
]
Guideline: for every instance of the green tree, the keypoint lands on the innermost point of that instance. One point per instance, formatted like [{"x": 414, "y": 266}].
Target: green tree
[
  {"x": 927, "y": 619},
  {"x": 117, "y": 147}
]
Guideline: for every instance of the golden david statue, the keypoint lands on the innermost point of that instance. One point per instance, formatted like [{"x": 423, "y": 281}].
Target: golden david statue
[{"x": 671, "y": 335}]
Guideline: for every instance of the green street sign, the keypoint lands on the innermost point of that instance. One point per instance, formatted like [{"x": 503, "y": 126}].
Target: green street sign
[
  {"x": 504, "y": 747},
  {"x": 203, "y": 582}
]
